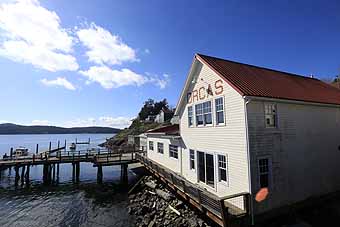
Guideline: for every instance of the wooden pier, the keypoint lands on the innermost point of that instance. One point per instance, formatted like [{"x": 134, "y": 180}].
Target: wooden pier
[
  {"x": 221, "y": 210},
  {"x": 52, "y": 158}
]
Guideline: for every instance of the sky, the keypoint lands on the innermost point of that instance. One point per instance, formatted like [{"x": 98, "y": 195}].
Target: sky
[{"x": 82, "y": 62}]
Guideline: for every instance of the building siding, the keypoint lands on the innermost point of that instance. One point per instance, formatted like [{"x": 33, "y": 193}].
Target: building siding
[
  {"x": 229, "y": 139},
  {"x": 303, "y": 150}
]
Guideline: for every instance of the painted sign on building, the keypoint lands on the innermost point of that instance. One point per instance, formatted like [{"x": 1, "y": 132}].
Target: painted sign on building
[{"x": 204, "y": 92}]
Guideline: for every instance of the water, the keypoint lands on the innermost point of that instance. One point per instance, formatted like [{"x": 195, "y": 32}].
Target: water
[{"x": 65, "y": 204}]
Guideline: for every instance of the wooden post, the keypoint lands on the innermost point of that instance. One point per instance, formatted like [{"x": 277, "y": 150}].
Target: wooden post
[
  {"x": 73, "y": 171},
  {"x": 124, "y": 174},
  {"x": 76, "y": 140},
  {"x": 65, "y": 145},
  {"x": 58, "y": 144},
  {"x": 27, "y": 175},
  {"x": 77, "y": 171},
  {"x": 11, "y": 152},
  {"x": 17, "y": 176},
  {"x": 99, "y": 174},
  {"x": 224, "y": 213},
  {"x": 53, "y": 178},
  {"x": 50, "y": 147},
  {"x": 89, "y": 140},
  {"x": 57, "y": 172},
  {"x": 23, "y": 174},
  {"x": 37, "y": 149}
]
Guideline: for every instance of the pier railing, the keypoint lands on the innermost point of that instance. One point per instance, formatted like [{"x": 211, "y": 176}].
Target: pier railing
[{"x": 220, "y": 209}]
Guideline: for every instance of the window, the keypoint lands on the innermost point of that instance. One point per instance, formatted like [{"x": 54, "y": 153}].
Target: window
[
  {"x": 173, "y": 151},
  {"x": 206, "y": 168},
  {"x": 222, "y": 168},
  {"x": 203, "y": 113},
  {"x": 263, "y": 165},
  {"x": 190, "y": 116},
  {"x": 192, "y": 159},
  {"x": 160, "y": 148},
  {"x": 207, "y": 113},
  {"x": 199, "y": 114},
  {"x": 270, "y": 115},
  {"x": 219, "y": 110},
  {"x": 150, "y": 145}
]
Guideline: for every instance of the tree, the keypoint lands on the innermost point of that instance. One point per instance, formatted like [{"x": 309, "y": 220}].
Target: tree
[{"x": 151, "y": 107}]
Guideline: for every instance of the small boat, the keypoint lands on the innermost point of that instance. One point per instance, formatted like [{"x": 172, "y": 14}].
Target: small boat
[
  {"x": 21, "y": 151},
  {"x": 73, "y": 146}
]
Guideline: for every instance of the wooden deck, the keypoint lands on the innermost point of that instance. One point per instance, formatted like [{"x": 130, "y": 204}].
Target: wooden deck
[{"x": 219, "y": 209}]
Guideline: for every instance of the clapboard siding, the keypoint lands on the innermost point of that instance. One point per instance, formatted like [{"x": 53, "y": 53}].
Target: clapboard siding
[
  {"x": 304, "y": 151},
  {"x": 229, "y": 139}
]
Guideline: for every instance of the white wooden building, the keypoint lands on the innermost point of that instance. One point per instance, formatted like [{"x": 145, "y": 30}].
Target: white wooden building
[{"x": 244, "y": 128}]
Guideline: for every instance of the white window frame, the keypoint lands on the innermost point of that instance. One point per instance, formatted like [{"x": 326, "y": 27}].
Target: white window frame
[
  {"x": 158, "y": 150},
  {"x": 191, "y": 117},
  {"x": 151, "y": 148},
  {"x": 222, "y": 168},
  {"x": 206, "y": 113},
  {"x": 203, "y": 114},
  {"x": 192, "y": 167},
  {"x": 171, "y": 153},
  {"x": 270, "y": 110},
  {"x": 218, "y": 111},
  {"x": 197, "y": 115},
  {"x": 268, "y": 172},
  {"x": 214, "y": 187}
]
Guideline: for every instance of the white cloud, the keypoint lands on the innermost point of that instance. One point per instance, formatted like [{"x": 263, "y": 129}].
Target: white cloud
[
  {"x": 109, "y": 78},
  {"x": 147, "y": 51},
  {"x": 40, "y": 122},
  {"x": 32, "y": 34},
  {"x": 115, "y": 122},
  {"x": 105, "y": 47},
  {"x": 59, "y": 82},
  {"x": 118, "y": 122}
]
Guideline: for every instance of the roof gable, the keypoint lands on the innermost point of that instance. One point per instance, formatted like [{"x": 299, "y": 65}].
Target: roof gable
[{"x": 252, "y": 80}]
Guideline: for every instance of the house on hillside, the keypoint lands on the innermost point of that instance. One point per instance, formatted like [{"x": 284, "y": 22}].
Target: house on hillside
[
  {"x": 164, "y": 115},
  {"x": 243, "y": 128}
]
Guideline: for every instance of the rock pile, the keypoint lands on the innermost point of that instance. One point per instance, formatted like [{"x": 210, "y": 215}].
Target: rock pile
[{"x": 155, "y": 206}]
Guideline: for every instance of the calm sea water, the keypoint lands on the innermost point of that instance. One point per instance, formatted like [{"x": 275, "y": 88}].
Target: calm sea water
[{"x": 65, "y": 204}]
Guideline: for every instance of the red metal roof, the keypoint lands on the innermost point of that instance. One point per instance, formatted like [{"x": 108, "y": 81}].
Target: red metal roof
[
  {"x": 170, "y": 129},
  {"x": 252, "y": 80}
]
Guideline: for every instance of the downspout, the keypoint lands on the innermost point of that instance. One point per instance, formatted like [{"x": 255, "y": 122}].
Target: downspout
[{"x": 246, "y": 101}]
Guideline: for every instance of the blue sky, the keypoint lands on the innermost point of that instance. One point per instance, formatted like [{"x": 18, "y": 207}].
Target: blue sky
[{"x": 77, "y": 63}]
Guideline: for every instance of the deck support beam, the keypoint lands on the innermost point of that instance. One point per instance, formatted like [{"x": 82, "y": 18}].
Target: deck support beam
[
  {"x": 17, "y": 176},
  {"x": 27, "y": 175},
  {"x": 57, "y": 173},
  {"x": 73, "y": 171},
  {"x": 77, "y": 171},
  {"x": 22, "y": 174}
]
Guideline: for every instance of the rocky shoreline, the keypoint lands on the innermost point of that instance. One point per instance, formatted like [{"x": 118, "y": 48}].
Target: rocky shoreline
[{"x": 153, "y": 205}]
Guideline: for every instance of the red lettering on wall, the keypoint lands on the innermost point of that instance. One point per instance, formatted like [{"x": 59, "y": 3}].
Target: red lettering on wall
[
  {"x": 194, "y": 95},
  {"x": 218, "y": 87},
  {"x": 201, "y": 93}
]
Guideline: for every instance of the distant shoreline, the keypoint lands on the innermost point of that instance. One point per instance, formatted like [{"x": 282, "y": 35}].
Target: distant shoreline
[{"x": 13, "y": 129}]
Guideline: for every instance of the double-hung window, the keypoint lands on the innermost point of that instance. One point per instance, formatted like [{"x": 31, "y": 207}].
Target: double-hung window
[
  {"x": 192, "y": 159},
  {"x": 160, "y": 148},
  {"x": 199, "y": 114},
  {"x": 150, "y": 145},
  {"x": 222, "y": 168},
  {"x": 203, "y": 113},
  {"x": 190, "y": 122},
  {"x": 264, "y": 172},
  {"x": 270, "y": 115},
  {"x": 173, "y": 151},
  {"x": 219, "y": 110},
  {"x": 207, "y": 113}
]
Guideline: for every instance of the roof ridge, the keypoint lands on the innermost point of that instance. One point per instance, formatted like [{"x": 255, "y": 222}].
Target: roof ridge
[{"x": 260, "y": 67}]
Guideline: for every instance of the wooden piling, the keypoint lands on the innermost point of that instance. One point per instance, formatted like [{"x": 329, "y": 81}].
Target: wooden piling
[
  {"x": 99, "y": 174},
  {"x": 50, "y": 146},
  {"x": 37, "y": 149},
  {"x": 124, "y": 174},
  {"x": 27, "y": 175},
  {"x": 11, "y": 152},
  {"x": 53, "y": 167},
  {"x": 77, "y": 171},
  {"x": 23, "y": 174},
  {"x": 73, "y": 171},
  {"x": 58, "y": 173},
  {"x": 17, "y": 176}
]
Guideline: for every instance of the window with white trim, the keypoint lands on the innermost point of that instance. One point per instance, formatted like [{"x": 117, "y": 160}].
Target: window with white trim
[
  {"x": 151, "y": 145},
  {"x": 270, "y": 115},
  {"x": 160, "y": 148},
  {"x": 207, "y": 113},
  {"x": 199, "y": 114},
  {"x": 264, "y": 172},
  {"x": 222, "y": 168},
  {"x": 192, "y": 159},
  {"x": 190, "y": 122},
  {"x": 219, "y": 108},
  {"x": 173, "y": 151}
]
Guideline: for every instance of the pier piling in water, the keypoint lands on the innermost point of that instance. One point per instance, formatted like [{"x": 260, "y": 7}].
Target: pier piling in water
[
  {"x": 17, "y": 176},
  {"x": 77, "y": 171},
  {"x": 23, "y": 174},
  {"x": 27, "y": 175},
  {"x": 100, "y": 174},
  {"x": 124, "y": 174},
  {"x": 57, "y": 173}
]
